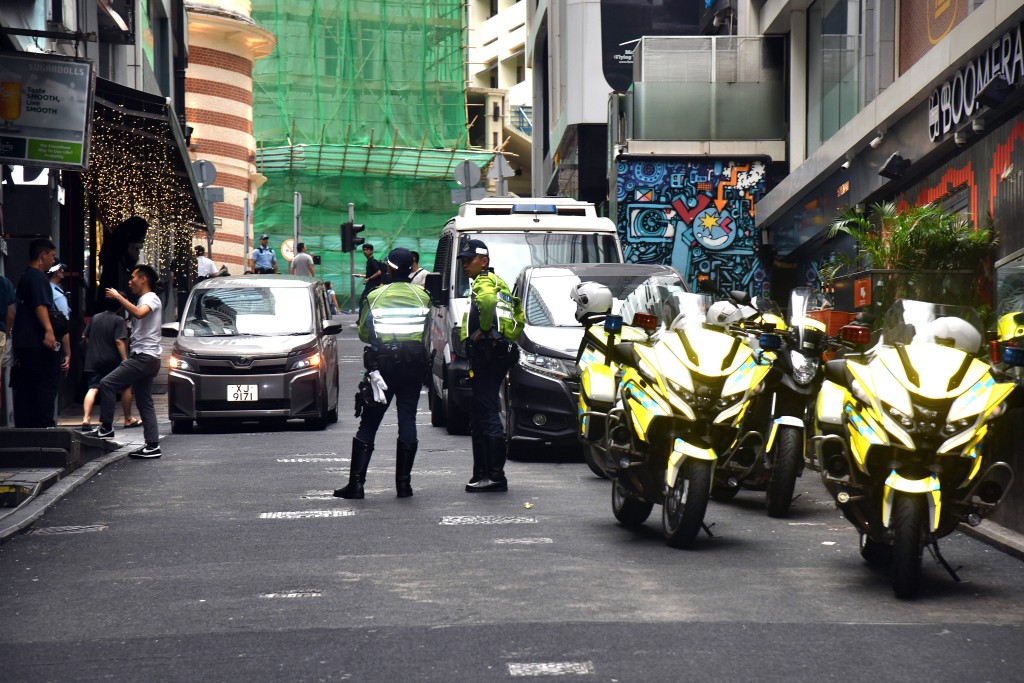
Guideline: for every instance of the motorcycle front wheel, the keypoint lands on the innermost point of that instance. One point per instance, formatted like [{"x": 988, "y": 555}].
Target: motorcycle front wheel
[
  {"x": 682, "y": 514},
  {"x": 909, "y": 515},
  {"x": 630, "y": 511},
  {"x": 786, "y": 461}
]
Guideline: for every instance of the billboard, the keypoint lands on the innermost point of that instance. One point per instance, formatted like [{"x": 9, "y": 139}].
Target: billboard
[{"x": 45, "y": 110}]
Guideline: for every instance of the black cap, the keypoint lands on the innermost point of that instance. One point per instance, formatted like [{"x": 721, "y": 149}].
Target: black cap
[
  {"x": 472, "y": 249},
  {"x": 400, "y": 259},
  {"x": 200, "y": 250},
  {"x": 264, "y": 236}
]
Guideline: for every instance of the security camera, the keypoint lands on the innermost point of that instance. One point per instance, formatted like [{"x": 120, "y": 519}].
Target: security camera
[
  {"x": 877, "y": 140},
  {"x": 845, "y": 164},
  {"x": 717, "y": 21},
  {"x": 960, "y": 138}
]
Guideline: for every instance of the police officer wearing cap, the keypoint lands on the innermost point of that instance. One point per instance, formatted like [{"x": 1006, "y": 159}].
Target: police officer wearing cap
[
  {"x": 485, "y": 330},
  {"x": 263, "y": 261},
  {"x": 393, "y": 323}
]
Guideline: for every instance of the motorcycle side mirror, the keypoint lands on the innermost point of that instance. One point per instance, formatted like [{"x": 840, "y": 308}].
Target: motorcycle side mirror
[
  {"x": 1013, "y": 355},
  {"x": 864, "y": 318},
  {"x": 770, "y": 342},
  {"x": 740, "y": 297},
  {"x": 835, "y": 371}
]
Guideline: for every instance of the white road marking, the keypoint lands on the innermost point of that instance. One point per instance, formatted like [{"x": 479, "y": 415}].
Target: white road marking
[
  {"x": 550, "y": 668},
  {"x": 312, "y": 459},
  {"x": 54, "y": 530},
  {"x": 828, "y": 542},
  {"x": 304, "y": 514},
  {"x": 455, "y": 520},
  {"x": 293, "y": 594},
  {"x": 522, "y": 541}
]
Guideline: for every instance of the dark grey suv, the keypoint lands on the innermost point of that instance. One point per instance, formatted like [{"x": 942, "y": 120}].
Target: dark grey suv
[{"x": 251, "y": 347}]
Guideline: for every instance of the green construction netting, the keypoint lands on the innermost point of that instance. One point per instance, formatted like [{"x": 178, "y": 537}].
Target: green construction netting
[{"x": 362, "y": 101}]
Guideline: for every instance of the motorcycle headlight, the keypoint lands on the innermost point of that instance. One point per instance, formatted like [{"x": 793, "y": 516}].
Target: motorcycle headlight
[
  {"x": 559, "y": 368},
  {"x": 311, "y": 361},
  {"x": 901, "y": 418},
  {"x": 681, "y": 391},
  {"x": 804, "y": 368},
  {"x": 178, "y": 363}
]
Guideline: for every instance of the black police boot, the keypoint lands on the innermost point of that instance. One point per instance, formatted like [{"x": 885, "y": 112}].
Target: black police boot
[
  {"x": 406, "y": 453},
  {"x": 479, "y": 462},
  {"x": 361, "y": 452},
  {"x": 494, "y": 481}
]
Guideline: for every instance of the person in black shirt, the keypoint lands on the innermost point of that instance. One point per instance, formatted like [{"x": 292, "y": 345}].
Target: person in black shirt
[
  {"x": 105, "y": 348},
  {"x": 36, "y": 370},
  {"x": 373, "y": 276}
]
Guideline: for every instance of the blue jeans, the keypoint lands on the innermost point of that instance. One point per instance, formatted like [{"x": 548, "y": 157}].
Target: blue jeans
[
  {"x": 405, "y": 389},
  {"x": 137, "y": 372}
]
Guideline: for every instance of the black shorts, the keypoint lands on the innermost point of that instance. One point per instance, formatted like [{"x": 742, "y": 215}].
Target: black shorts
[{"x": 93, "y": 379}]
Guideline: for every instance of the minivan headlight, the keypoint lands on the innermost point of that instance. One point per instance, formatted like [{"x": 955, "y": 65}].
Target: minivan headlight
[
  {"x": 310, "y": 361},
  {"x": 178, "y": 363},
  {"x": 547, "y": 365}
]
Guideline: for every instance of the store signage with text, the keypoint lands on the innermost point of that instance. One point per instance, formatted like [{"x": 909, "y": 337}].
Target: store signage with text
[
  {"x": 45, "y": 110},
  {"x": 957, "y": 99}
]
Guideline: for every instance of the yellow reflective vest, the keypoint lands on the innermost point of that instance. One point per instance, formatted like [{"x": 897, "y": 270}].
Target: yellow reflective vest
[
  {"x": 395, "y": 313},
  {"x": 495, "y": 306}
]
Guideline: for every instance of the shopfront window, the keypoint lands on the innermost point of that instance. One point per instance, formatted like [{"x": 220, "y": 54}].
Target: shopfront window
[{"x": 833, "y": 68}]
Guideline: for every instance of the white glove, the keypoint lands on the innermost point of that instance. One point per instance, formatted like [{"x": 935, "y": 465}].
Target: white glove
[{"x": 379, "y": 387}]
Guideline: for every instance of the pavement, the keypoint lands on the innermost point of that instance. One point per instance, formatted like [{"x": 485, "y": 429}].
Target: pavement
[{"x": 51, "y": 485}]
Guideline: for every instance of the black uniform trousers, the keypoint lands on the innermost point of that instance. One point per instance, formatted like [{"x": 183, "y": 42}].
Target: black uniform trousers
[
  {"x": 489, "y": 361},
  {"x": 34, "y": 378},
  {"x": 404, "y": 387}
]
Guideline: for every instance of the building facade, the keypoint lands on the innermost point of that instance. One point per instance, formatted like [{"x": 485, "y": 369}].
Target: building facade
[{"x": 224, "y": 42}]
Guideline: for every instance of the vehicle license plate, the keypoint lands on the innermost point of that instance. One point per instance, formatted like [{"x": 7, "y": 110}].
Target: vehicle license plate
[{"x": 243, "y": 392}]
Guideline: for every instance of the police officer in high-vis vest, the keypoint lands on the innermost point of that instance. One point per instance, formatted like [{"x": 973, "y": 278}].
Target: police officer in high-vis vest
[
  {"x": 393, "y": 323},
  {"x": 489, "y": 329}
]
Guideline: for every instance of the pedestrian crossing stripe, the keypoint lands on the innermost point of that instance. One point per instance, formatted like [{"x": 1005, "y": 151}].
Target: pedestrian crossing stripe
[
  {"x": 306, "y": 514},
  {"x": 455, "y": 520},
  {"x": 312, "y": 459},
  {"x": 550, "y": 668},
  {"x": 293, "y": 594}
]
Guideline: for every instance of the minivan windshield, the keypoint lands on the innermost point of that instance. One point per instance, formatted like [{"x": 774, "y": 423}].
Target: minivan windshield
[
  {"x": 510, "y": 252},
  {"x": 548, "y": 304},
  {"x": 249, "y": 310}
]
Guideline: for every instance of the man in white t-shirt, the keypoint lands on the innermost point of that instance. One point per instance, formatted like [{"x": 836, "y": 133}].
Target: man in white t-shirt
[
  {"x": 419, "y": 275},
  {"x": 205, "y": 267},
  {"x": 302, "y": 264},
  {"x": 142, "y": 364}
]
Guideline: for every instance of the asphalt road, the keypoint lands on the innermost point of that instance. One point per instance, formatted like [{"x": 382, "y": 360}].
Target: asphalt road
[{"x": 227, "y": 560}]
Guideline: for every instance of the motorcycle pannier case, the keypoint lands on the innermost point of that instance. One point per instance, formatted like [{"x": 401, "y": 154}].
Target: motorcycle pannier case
[{"x": 597, "y": 395}]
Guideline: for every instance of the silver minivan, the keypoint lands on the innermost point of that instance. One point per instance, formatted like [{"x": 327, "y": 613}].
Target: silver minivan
[{"x": 254, "y": 347}]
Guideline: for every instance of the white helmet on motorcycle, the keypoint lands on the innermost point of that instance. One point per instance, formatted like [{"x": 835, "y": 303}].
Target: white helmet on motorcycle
[
  {"x": 951, "y": 330},
  {"x": 591, "y": 298},
  {"x": 723, "y": 313}
]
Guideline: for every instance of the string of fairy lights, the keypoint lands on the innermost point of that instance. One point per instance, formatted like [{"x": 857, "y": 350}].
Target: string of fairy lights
[{"x": 131, "y": 173}]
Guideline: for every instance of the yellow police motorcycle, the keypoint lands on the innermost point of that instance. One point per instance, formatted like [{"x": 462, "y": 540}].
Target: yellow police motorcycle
[
  {"x": 659, "y": 410},
  {"x": 901, "y": 435}
]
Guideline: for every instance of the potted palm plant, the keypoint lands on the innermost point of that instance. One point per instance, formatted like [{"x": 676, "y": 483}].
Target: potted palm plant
[{"x": 917, "y": 252}]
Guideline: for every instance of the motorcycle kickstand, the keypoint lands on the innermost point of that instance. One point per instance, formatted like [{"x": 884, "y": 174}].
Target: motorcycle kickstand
[
  {"x": 707, "y": 529},
  {"x": 933, "y": 548}
]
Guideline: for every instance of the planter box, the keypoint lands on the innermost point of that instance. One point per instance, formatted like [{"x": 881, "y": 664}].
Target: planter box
[{"x": 834, "y": 320}]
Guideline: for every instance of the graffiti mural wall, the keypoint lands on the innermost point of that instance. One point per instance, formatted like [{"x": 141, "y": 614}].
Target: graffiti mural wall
[{"x": 696, "y": 215}]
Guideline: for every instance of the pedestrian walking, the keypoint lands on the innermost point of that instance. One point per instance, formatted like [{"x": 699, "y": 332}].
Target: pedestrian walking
[
  {"x": 419, "y": 275},
  {"x": 332, "y": 298},
  {"x": 205, "y": 267},
  {"x": 263, "y": 260},
  {"x": 393, "y": 323},
  {"x": 141, "y": 366},
  {"x": 302, "y": 264},
  {"x": 373, "y": 276},
  {"x": 489, "y": 329},
  {"x": 62, "y": 304},
  {"x": 106, "y": 346},
  {"x": 36, "y": 370}
]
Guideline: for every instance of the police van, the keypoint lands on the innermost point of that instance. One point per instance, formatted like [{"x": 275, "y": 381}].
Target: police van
[{"x": 519, "y": 232}]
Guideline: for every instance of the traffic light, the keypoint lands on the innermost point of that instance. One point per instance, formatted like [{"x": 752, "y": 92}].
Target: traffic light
[{"x": 349, "y": 241}]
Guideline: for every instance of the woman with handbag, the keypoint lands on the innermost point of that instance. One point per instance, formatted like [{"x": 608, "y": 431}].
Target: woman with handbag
[{"x": 36, "y": 370}]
